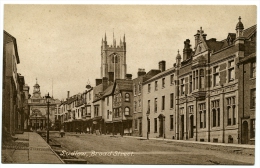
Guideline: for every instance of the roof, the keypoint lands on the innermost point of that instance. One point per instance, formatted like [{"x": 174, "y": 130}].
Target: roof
[
  {"x": 15, "y": 46},
  {"x": 218, "y": 45},
  {"x": 249, "y": 31},
  {"x": 214, "y": 45},
  {"x": 71, "y": 99},
  {"x": 159, "y": 75},
  {"x": 108, "y": 91},
  {"x": 97, "y": 90},
  {"x": 249, "y": 57}
]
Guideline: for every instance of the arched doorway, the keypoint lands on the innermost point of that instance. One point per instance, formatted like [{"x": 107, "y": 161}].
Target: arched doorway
[
  {"x": 245, "y": 133},
  {"x": 191, "y": 126}
]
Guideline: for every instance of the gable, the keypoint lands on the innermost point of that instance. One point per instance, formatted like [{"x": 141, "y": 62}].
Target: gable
[{"x": 201, "y": 47}]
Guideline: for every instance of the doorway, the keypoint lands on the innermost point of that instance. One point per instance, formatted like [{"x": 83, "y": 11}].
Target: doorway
[
  {"x": 182, "y": 127},
  {"x": 140, "y": 127},
  {"x": 245, "y": 133},
  {"x": 191, "y": 126}
]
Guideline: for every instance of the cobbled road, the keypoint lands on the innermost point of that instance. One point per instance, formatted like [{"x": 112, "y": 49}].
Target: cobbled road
[{"x": 106, "y": 149}]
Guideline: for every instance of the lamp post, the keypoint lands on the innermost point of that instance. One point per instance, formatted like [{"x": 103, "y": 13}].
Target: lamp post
[
  {"x": 147, "y": 114},
  {"x": 35, "y": 112},
  {"x": 48, "y": 106}
]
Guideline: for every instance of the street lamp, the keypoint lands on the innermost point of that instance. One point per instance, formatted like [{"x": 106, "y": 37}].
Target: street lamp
[
  {"x": 147, "y": 114},
  {"x": 35, "y": 112},
  {"x": 48, "y": 106}
]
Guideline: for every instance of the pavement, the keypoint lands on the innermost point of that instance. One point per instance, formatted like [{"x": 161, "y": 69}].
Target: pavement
[
  {"x": 247, "y": 146},
  {"x": 37, "y": 151}
]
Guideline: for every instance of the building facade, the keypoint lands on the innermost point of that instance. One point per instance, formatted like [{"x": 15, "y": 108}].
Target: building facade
[
  {"x": 209, "y": 87},
  {"x": 159, "y": 104},
  {"x": 12, "y": 109},
  {"x": 38, "y": 110},
  {"x": 138, "y": 99}
]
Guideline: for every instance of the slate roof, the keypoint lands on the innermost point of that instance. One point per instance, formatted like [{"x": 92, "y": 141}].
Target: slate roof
[
  {"x": 249, "y": 31},
  {"x": 251, "y": 56},
  {"x": 108, "y": 91},
  {"x": 159, "y": 75},
  {"x": 218, "y": 45}
]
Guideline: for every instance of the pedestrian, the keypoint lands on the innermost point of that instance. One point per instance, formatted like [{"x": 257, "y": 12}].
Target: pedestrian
[
  {"x": 62, "y": 133},
  {"x": 77, "y": 130}
]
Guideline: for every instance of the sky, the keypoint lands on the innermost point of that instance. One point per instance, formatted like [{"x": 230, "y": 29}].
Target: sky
[{"x": 60, "y": 45}]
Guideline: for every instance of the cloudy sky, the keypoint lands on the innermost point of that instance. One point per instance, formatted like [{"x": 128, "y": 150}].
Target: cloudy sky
[{"x": 61, "y": 43}]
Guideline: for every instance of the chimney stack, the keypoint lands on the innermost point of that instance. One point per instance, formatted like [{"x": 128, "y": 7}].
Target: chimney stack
[
  {"x": 105, "y": 83},
  {"x": 68, "y": 95},
  {"x": 128, "y": 76},
  {"x": 98, "y": 81},
  {"x": 162, "y": 65},
  {"x": 141, "y": 72}
]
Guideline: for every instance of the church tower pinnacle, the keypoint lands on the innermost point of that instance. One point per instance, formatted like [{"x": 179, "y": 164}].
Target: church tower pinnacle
[{"x": 113, "y": 59}]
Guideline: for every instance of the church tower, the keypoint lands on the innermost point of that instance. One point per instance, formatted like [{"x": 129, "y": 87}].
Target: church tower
[{"x": 113, "y": 59}]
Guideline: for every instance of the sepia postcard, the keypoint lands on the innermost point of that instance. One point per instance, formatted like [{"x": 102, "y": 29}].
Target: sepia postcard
[{"x": 142, "y": 84}]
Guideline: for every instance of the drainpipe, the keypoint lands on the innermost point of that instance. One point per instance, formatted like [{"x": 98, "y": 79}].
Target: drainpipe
[
  {"x": 223, "y": 117},
  {"x": 196, "y": 108}
]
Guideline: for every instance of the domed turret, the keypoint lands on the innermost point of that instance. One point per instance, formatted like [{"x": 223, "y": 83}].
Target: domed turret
[
  {"x": 178, "y": 55},
  {"x": 239, "y": 24},
  {"x": 239, "y": 28},
  {"x": 178, "y": 59}
]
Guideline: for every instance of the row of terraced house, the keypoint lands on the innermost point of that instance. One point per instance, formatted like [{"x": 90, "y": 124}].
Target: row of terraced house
[
  {"x": 207, "y": 95},
  {"x": 15, "y": 93}
]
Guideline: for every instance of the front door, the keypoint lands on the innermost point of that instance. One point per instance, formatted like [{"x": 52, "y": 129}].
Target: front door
[
  {"x": 245, "y": 133},
  {"x": 182, "y": 127},
  {"x": 161, "y": 127},
  {"x": 140, "y": 127},
  {"x": 191, "y": 126}
]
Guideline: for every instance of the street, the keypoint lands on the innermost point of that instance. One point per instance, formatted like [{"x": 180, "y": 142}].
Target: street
[{"x": 106, "y": 149}]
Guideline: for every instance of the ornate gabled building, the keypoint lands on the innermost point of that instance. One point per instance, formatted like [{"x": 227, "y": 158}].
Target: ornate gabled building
[
  {"x": 209, "y": 86},
  {"x": 38, "y": 110}
]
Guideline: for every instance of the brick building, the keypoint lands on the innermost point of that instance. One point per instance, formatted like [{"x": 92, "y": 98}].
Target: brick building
[{"x": 209, "y": 86}]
